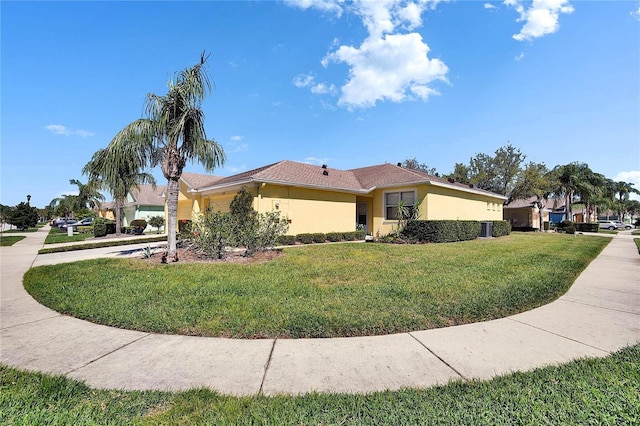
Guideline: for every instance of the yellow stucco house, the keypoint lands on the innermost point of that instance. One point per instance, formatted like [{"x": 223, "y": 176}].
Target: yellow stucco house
[{"x": 323, "y": 199}]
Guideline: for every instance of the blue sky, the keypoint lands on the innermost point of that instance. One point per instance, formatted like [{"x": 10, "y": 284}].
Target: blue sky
[{"x": 349, "y": 84}]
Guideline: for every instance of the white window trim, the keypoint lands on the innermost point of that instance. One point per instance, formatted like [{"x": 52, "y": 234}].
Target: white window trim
[{"x": 384, "y": 202}]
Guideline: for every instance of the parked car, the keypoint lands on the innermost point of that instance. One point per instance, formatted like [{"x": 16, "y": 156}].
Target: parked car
[
  {"x": 611, "y": 224},
  {"x": 66, "y": 222},
  {"x": 57, "y": 221},
  {"x": 623, "y": 225},
  {"x": 88, "y": 221}
]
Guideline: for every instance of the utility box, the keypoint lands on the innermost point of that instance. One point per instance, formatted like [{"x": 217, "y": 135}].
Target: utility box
[
  {"x": 486, "y": 230},
  {"x": 69, "y": 231}
]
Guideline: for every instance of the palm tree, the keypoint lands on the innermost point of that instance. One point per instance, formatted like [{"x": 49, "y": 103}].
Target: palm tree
[
  {"x": 173, "y": 134},
  {"x": 64, "y": 205},
  {"x": 117, "y": 170},
  {"x": 565, "y": 178},
  {"x": 88, "y": 194},
  {"x": 623, "y": 191}
]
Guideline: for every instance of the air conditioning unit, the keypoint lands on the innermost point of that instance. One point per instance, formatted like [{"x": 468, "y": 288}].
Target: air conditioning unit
[{"x": 486, "y": 230}]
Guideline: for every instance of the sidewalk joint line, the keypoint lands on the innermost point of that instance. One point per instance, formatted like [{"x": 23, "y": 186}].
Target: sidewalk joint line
[
  {"x": 599, "y": 307},
  {"x": 559, "y": 335},
  {"x": 267, "y": 365},
  {"x": 34, "y": 321},
  {"x": 108, "y": 353},
  {"x": 440, "y": 358}
]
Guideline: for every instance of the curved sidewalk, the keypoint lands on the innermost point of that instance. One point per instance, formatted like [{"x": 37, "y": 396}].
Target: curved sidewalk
[{"x": 599, "y": 315}]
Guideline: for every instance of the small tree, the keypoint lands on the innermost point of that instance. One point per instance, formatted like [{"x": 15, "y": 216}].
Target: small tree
[
  {"x": 156, "y": 222},
  {"x": 23, "y": 216},
  {"x": 212, "y": 232},
  {"x": 245, "y": 221}
]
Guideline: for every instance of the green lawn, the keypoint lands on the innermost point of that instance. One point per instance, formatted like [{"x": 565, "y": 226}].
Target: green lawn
[
  {"x": 324, "y": 290},
  {"x": 602, "y": 391},
  {"x": 9, "y": 240},
  {"x": 57, "y": 235}
]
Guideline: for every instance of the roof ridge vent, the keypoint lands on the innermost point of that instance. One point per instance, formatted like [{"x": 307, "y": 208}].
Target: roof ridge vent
[
  {"x": 324, "y": 166},
  {"x": 451, "y": 180}
]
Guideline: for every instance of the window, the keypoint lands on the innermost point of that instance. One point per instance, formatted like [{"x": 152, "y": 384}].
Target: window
[{"x": 391, "y": 200}]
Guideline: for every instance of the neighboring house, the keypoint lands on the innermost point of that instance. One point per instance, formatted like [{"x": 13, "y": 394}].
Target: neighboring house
[
  {"x": 525, "y": 214},
  {"x": 142, "y": 203},
  {"x": 323, "y": 199}
]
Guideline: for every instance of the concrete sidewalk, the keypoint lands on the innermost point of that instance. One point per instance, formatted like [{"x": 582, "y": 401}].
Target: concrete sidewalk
[{"x": 599, "y": 315}]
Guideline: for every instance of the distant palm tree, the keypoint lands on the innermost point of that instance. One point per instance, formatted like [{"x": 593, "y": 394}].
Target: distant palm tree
[
  {"x": 64, "y": 205},
  {"x": 172, "y": 134},
  {"x": 88, "y": 195},
  {"x": 117, "y": 170}
]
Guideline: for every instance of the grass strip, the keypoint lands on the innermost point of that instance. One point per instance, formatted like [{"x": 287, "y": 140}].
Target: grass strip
[
  {"x": 101, "y": 244},
  {"x": 10, "y": 240},
  {"x": 324, "y": 290},
  {"x": 637, "y": 241},
  {"x": 588, "y": 391}
]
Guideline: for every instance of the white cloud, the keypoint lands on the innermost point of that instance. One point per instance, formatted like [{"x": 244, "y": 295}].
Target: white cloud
[
  {"x": 391, "y": 64},
  {"x": 316, "y": 161},
  {"x": 59, "y": 129},
  {"x": 520, "y": 56},
  {"x": 329, "y": 6},
  {"x": 308, "y": 80},
  {"x": 636, "y": 13},
  {"x": 236, "y": 138},
  {"x": 540, "y": 19},
  {"x": 489, "y": 6},
  {"x": 393, "y": 67},
  {"x": 633, "y": 177}
]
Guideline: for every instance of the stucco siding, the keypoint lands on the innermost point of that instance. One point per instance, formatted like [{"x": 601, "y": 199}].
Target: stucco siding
[
  {"x": 446, "y": 204},
  {"x": 309, "y": 210}
]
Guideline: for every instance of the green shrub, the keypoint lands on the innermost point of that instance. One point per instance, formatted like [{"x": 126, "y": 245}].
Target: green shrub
[
  {"x": 139, "y": 223},
  {"x": 349, "y": 236},
  {"x": 564, "y": 225},
  {"x": 318, "y": 237},
  {"x": 184, "y": 226},
  {"x": 99, "y": 229},
  {"x": 287, "y": 240},
  {"x": 335, "y": 236},
  {"x": 501, "y": 228},
  {"x": 304, "y": 238},
  {"x": 441, "y": 231},
  {"x": 85, "y": 229},
  {"x": 111, "y": 227},
  {"x": 359, "y": 235},
  {"x": 587, "y": 227}
]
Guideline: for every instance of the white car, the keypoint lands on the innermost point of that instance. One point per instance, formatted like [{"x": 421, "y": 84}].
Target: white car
[
  {"x": 623, "y": 225},
  {"x": 612, "y": 224}
]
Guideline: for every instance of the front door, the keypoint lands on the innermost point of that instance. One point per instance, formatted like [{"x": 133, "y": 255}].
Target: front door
[{"x": 361, "y": 216}]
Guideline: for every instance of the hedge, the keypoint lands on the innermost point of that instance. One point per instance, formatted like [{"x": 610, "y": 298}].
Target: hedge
[
  {"x": 335, "y": 236},
  {"x": 501, "y": 228},
  {"x": 441, "y": 231},
  {"x": 587, "y": 227}
]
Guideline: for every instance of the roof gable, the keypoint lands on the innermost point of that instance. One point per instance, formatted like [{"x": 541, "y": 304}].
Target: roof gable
[{"x": 146, "y": 195}]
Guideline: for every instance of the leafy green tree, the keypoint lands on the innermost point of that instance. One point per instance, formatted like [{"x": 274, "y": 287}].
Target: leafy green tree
[
  {"x": 118, "y": 170},
  {"x": 413, "y": 164},
  {"x": 156, "y": 222},
  {"x": 23, "y": 216},
  {"x": 460, "y": 174},
  {"x": 496, "y": 173},
  {"x": 173, "y": 134},
  {"x": 623, "y": 191},
  {"x": 534, "y": 181}
]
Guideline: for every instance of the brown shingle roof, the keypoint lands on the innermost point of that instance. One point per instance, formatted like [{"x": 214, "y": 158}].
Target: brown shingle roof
[
  {"x": 528, "y": 202},
  {"x": 196, "y": 180},
  {"x": 147, "y": 196},
  {"x": 362, "y": 180}
]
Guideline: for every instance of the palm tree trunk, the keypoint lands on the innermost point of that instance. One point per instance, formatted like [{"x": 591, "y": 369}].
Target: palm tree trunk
[
  {"x": 173, "y": 188},
  {"x": 117, "y": 214}
]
